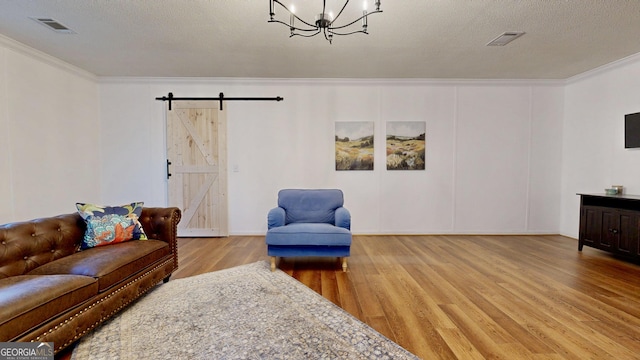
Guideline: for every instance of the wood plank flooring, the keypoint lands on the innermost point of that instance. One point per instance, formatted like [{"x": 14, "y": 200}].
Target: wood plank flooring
[{"x": 466, "y": 297}]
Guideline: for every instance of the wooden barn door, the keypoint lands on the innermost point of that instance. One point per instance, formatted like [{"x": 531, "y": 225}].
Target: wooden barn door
[{"x": 196, "y": 150}]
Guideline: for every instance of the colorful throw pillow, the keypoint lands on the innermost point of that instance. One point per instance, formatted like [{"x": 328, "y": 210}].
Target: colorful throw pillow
[{"x": 111, "y": 224}]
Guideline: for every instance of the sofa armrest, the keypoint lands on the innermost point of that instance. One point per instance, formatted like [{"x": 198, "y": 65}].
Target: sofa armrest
[
  {"x": 343, "y": 218},
  {"x": 162, "y": 224},
  {"x": 275, "y": 217}
]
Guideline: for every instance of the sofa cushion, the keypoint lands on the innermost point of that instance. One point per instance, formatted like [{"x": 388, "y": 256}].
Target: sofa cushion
[
  {"x": 310, "y": 205},
  {"x": 309, "y": 234},
  {"x": 111, "y": 224},
  {"x": 28, "y": 301},
  {"x": 109, "y": 264}
]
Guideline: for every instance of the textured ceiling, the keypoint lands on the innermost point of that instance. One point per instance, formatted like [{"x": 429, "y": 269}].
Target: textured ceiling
[{"x": 410, "y": 39}]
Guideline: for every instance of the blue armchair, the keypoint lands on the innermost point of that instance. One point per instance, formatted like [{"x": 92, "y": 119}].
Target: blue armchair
[{"x": 309, "y": 223}]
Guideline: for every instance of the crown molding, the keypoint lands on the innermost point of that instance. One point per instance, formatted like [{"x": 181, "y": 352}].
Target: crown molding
[
  {"x": 45, "y": 58},
  {"x": 632, "y": 59},
  {"x": 331, "y": 81}
]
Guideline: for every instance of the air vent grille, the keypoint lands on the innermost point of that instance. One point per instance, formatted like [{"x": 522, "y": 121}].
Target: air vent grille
[
  {"x": 53, "y": 25},
  {"x": 505, "y": 38}
]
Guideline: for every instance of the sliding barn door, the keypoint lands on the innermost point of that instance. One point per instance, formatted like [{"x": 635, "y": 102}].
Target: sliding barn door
[{"x": 196, "y": 150}]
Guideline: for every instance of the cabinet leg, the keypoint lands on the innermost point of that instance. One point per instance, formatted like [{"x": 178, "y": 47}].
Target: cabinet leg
[{"x": 580, "y": 244}]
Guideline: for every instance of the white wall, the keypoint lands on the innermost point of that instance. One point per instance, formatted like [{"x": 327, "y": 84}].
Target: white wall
[
  {"x": 493, "y": 159},
  {"x": 593, "y": 142},
  {"x": 6, "y": 179},
  {"x": 493, "y": 162},
  {"x": 502, "y": 157},
  {"x": 49, "y": 135}
]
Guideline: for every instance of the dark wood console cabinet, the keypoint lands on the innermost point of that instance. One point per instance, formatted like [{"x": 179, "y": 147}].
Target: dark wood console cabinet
[{"x": 610, "y": 223}]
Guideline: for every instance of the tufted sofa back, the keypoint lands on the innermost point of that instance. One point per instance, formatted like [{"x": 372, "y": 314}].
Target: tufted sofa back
[
  {"x": 310, "y": 205},
  {"x": 26, "y": 245}
]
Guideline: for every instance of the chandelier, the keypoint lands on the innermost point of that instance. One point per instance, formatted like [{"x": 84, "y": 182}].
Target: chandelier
[{"x": 325, "y": 22}]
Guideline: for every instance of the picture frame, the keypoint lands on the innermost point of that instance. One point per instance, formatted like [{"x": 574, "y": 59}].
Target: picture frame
[
  {"x": 354, "y": 145},
  {"x": 406, "y": 145}
]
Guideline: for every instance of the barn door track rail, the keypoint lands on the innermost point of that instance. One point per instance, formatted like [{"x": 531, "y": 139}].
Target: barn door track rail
[{"x": 220, "y": 98}]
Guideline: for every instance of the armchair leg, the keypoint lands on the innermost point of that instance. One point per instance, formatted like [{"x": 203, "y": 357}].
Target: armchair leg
[
  {"x": 344, "y": 264},
  {"x": 273, "y": 263}
]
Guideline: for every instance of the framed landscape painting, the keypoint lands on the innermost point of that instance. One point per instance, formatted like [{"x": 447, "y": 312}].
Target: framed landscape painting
[
  {"x": 406, "y": 145},
  {"x": 354, "y": 145}
]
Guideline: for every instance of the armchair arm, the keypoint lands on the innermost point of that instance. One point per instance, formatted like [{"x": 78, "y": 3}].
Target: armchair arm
[
  {"x": 162, "y": 224},
  {"x": 275, "y": 217},
  {"x": 343, "y": 218}
]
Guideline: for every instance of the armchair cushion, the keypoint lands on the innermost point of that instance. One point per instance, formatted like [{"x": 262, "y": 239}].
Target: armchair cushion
[{"x": 309, "y": 234}]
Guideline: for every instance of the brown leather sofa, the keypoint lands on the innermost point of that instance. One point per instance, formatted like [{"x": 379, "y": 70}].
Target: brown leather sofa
[{"x": 52, "y": 292}]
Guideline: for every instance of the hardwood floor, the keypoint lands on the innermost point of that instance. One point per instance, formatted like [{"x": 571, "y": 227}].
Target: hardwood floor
[{"x": 466, "y": 297}]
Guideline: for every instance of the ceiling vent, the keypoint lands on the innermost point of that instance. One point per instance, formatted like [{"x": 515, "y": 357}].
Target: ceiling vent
[
  {"x": 53, "y": 25},
  {"x": 505, "y": 38}
]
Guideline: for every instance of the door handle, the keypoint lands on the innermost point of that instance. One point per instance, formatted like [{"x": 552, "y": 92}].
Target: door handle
[{"x": 168, "y": 170}]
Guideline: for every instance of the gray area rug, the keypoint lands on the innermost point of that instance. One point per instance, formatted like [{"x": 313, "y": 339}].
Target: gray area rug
[{"x": 246, "y": 312}]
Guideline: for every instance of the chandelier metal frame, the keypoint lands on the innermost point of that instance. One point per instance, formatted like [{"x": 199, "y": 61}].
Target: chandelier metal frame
[{"x": 324, "y": 23}]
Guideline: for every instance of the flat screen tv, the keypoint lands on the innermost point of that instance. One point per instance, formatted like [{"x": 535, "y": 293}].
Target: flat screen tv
[{"x": 632, "y": 131}]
